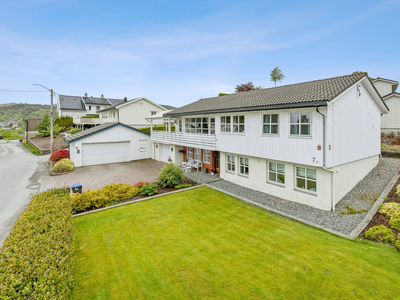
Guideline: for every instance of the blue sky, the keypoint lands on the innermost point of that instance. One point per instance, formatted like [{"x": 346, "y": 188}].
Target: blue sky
[{"x": 175, "y": 52}]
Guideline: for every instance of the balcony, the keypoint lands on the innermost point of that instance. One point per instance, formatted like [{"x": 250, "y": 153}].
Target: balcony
[
  {"x": 204, "y": 141},
  {"x": 88, "y": 121}
]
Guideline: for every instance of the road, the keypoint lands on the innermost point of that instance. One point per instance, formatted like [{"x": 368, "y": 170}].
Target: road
[{"x": 20, "y": 175}]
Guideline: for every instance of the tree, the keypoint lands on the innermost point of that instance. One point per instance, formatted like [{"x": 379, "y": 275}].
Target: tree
[
  {"x": 276, "y": 75},
  {"x": 244, "y": 87},
  {"x": 44, "y": 127}
]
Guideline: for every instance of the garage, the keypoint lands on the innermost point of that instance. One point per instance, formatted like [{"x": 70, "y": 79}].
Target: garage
[
  {"x": 108, "y": 143},
  {"x": 105, "y": 153}
]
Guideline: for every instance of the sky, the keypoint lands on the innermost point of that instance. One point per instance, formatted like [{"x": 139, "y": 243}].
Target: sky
[{"x": 176, "y": 52}]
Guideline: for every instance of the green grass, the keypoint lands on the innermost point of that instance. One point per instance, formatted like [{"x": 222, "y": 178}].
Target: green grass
[{"x": 203, "y": 244}]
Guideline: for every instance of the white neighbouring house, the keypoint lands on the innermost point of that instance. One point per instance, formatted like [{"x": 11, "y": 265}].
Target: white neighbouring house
[
  {"x": 387, "y": 88},
  {"x": 133, "y": 112},
  {"x": 310, "y": 142}
]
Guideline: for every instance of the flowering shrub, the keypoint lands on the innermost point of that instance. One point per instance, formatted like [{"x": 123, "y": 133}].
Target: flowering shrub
[
  {"x": 36, "y": 260},
  {"x": 212, "y": 169},
  {"x": 63, "y": 166},
  {"x": 59, "y": 155},
  {"x": 141, "y": 183},
  {"x": 380, "y": 234}
]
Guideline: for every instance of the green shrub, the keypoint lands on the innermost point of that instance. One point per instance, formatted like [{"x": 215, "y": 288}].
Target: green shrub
[
  {"x": 75, "y": 130},
  {"x": 90, "y": 117},
  {"x": 390, "y": 209},
  {"x": 10, "y": 135},
  {"x": 148, "y": 189},
  {"x": 64, "y": 121},
  {"x": 44, "y": 127},
  {"x": 395, "y": 222},
  {"x": 182, "y": 185},
  {"x": 380, "y": 234},
  {"x": 108, "y": 195},
  {"x": 63, "y": 166},
  {"x": 170, "y": 175},
  {"x": 119, "y": 192},
  {"x": 398, "y": 244},
  {"x": 156, "y": 128},
  {"x": 398, "y": 190},
  {"x": 34, "y": 150},
  {"x": 36, "y": 260}
]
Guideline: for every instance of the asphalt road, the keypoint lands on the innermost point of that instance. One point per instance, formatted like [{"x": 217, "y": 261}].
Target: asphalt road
[{"x": 20, "y": 174}]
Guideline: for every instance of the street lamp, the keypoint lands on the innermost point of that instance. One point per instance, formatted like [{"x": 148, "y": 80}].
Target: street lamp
[{"x": 51, "y": 116}]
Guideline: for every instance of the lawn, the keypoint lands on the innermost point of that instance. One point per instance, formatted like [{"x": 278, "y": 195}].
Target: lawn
[{"x": 203, "y": 244}]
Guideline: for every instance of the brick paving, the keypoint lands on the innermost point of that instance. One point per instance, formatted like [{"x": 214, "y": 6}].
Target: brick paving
[{"x": 96, "y": 177}]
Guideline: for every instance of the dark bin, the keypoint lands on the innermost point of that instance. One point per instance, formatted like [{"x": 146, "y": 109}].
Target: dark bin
[{"x": 77, "y": 188}]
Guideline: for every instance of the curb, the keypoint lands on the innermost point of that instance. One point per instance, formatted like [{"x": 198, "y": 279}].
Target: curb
[
  {"x": 135, "y": 201},
  {"x": 280, "y": 213},
  {"x": 360, "y": 227}
]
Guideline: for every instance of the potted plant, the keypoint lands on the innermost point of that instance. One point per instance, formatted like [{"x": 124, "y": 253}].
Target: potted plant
[{"x": 212, "y": 170}]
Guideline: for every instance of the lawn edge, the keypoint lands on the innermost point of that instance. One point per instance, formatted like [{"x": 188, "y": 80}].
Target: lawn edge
[
  {"x": 360, "y": 227},
  {"x": 135, "y": 201}
]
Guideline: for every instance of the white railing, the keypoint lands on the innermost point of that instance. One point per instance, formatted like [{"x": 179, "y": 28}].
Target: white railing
[
  {"x": 184, "y": 139},
  {"x": 83, "y": 121}
]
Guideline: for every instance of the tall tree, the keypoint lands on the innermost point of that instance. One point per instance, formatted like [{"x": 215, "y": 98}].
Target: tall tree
[
  {"x": 276, "y": 75},
  {"x": 244, "y": 87}
]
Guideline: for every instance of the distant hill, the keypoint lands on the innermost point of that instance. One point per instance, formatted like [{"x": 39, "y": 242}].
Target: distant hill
[{"x": 22, "y": 111}]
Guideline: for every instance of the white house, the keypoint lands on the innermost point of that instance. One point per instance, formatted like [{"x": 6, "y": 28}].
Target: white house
[
  {"x": 310, "y": 142},
  {"x": 133, "y": 112},
  {"x": 387, "y": 89}
]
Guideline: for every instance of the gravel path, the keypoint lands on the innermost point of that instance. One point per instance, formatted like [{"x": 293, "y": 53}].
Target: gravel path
[{"x": 362, "y": 196}]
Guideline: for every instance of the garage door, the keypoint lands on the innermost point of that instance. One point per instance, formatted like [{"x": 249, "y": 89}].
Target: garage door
[
  {"x": 105, "y": 153},
  {"x": 164, "y": 153}
]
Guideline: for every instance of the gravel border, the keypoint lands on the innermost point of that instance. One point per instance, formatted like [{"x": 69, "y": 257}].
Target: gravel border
[{"x": 360, "y": 197}]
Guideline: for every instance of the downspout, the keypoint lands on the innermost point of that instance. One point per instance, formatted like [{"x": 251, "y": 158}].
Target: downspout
[{"x": 324, "y": 157}]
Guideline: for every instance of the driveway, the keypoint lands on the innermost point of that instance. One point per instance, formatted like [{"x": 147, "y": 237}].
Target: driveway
[
  {"x": 96, "y": 177},
  {"x": 20, "y": 174}
]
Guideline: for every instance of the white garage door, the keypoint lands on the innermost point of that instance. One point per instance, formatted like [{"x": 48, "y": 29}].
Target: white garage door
[
  {"x": 164, "y": 153},
  {"x": 105, "y": 153}
]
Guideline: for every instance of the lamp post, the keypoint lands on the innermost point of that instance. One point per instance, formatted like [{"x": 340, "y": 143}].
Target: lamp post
[{"x": 51, "y": 116}]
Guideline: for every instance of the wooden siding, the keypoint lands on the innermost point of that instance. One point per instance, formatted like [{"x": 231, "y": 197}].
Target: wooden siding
[{"x": 391, "y": 121}]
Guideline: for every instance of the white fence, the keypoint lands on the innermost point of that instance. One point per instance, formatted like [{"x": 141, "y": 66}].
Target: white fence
[
  {"x": 84, "y": 121},
  {"x": 184, "y": 139}
]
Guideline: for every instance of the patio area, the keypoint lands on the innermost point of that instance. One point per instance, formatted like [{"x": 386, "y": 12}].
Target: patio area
[{"x": 202, "y": 177}]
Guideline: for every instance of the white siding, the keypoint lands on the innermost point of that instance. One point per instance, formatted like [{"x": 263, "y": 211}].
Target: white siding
[
  {"x": 136, "y": 112},
  {"x": 391, "y": 121},
  {"x": 117, "y": 133},
  {"x": 384, "y": 88}
]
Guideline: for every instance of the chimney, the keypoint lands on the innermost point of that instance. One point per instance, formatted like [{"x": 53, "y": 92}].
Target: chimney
[
  {"x": 85, "y": 95},
  {"x": 125, "y": 99},
  {"x": 102, "y": 96}
]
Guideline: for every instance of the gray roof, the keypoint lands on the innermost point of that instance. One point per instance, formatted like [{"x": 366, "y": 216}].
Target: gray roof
[
  {"x": 305, "y": 94},
  {"x": 71, "y": 102},
  {"x": 115, "y": 105},
  {"x": 93, "y": 130},
  {"x": 96, "y": 101},
  {"x": 168, "y": 107},
  {"x": 115, "y": 101}
]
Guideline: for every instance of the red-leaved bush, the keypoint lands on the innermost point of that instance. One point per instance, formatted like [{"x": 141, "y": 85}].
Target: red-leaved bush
[
  {"x": 58, "y": 155},
  {"x": 140, "y": 184}
]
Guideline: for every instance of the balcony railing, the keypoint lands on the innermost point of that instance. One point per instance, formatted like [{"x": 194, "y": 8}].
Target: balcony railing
[
  {"x": 207, "y": 141},
  {"x": 84, "y": 121}
]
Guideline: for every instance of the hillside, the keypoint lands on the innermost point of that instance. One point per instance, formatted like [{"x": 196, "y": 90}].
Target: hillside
[{"x": 22, "y": 111}]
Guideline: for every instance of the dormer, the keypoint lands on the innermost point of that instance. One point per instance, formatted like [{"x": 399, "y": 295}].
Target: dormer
[{"x": 385, "y": 86}]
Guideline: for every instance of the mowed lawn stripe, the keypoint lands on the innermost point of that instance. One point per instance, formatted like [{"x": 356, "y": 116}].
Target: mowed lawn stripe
[{"x": 203, "y": 244}]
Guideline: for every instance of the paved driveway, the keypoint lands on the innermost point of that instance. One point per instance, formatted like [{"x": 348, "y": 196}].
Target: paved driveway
[
  {"x": 95, "y": 177},
  {"x": 20, "y": 174}
]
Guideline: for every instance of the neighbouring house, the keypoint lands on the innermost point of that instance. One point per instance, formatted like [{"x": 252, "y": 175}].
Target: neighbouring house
[
  {"x": 108, "y": 143},
  {"x": 309, "y": 143},
  {"x": 387, "y": 88},
  {"x": 30, "y": 127},
  {"x": 133, "y": 112}
]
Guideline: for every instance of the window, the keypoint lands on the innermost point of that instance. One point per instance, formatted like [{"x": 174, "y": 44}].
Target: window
[
  {"x": 271, "y": 124},
  {"x": 105, "y": 114},
  {"x": 244, "y": 166},
  {"x": 189, "y": 152},
  {"x": 204, "y": 125},
  {"x": 300, "y": 123},
  {"x": 238, "y": 123},
  {"x": 97, "y": 107},
  {"x": 207, "y": 156},
  {"x": 306, "y": 179},
  {"x": 90, "y": 108},
  {"x": 180, "y": 125},
  {"x": 276, "y": 172},
  {"x": 212, "y": 125},
  {"x": 153, "y": 112},
  {"x": 230, "y": 163},
  {"x": 197, "y": 154},
  {"x": 226, "y": 124}
]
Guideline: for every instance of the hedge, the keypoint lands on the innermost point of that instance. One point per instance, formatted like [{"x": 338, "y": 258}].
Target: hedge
[
  {"x": 36, "y": 260},
  {"x": 156, "y": 128}
]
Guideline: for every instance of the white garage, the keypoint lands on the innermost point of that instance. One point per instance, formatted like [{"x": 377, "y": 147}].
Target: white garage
[{"x": 108, "y": 143}]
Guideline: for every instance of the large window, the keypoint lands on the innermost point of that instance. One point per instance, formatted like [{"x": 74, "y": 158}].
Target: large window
[
  {"x": 207, "y": 156},
  {"x": 97, "y": 107},
  {"x": 226, "y": 124},
  {"x": 230, "y": 163},
  {"x": 271, "y": 124},
  {"x": 244, "y": 166},
  {"x": 197, "y": 154},
  {"x": 306, "y": 179},
  {"x": 276, "y": 172},
  {"x": 300, "y": 123},
  {"x": 212, "y": 125},
  {"x": 104, "y": 114},
  {"x": 189, "y": 152},
  {"x": 196, "y": 125},
  {"x": 238, "y": 123}
]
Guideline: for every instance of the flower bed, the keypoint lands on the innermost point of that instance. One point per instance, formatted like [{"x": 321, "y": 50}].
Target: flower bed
[{"x": 36, "y": 260}]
